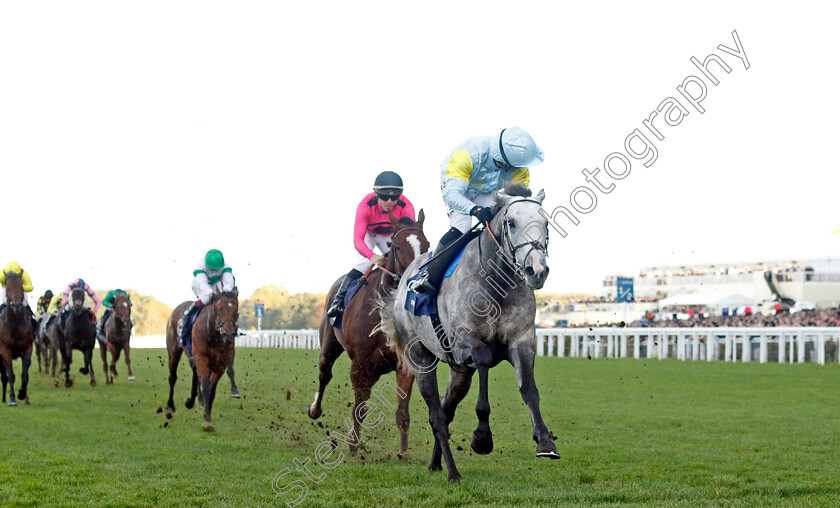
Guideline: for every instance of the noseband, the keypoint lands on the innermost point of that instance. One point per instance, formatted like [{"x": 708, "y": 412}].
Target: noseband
[{"x": 220, "y": 328}]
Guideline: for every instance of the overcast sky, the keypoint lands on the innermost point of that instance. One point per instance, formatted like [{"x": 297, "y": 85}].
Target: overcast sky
[{"x": 135, "y": 136}]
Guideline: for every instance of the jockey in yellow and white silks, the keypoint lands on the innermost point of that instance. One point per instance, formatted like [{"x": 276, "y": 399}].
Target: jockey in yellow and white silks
[
  {"x": 14, "y": 267},
  {"x": 469, "y": 176}
]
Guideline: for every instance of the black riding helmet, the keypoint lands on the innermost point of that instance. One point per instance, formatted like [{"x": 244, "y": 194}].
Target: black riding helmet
[{"x": 388, "y": 182}]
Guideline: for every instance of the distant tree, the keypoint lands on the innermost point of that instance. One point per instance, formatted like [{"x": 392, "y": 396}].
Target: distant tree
[
  {"x": 149, "y": 315},
  {"x": 282, "y": 310}
]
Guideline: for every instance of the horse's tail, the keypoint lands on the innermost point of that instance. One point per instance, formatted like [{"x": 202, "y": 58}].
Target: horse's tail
[{"x": 385, "y": 307}]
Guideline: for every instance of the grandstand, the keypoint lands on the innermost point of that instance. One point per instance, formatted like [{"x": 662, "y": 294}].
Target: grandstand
[
  {"x": 811, "y": 280},
  {"x": 688, "y": 292}
]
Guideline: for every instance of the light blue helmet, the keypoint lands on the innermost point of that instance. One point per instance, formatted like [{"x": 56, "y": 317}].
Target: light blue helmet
[{"x": 516, "y": 147}]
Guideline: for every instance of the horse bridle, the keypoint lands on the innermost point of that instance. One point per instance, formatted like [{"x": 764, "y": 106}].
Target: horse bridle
[
  {"x": 220, "y": 328},
  {"x": 399, "y": 268},
  {"x": 506, "y": 238}
]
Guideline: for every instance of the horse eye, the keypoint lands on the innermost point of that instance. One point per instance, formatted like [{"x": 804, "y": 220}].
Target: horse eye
[{"x": 511, "y": 223}]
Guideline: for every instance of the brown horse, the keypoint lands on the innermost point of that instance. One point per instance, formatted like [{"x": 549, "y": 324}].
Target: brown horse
[
  {"x": 213, "y": 346},
  {"x": 16, "y": 338},
  {"x": 79, "y": 333},
  {"x": 370, "y": 357},
  {"x": 117, "y": 335}
]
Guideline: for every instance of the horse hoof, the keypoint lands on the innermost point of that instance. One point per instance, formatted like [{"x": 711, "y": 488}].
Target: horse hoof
[
  {"x": 12, "y": 403},
  {"x": 189, "y": 403},
  {"x": 92, "y": 382},
  {"x": 481, "y": 444},
  {"x": 208, "y": 427},
  {"x": 131, "y": 378},
  {"x": 547, "y": 449},
  {"x": 235, "y": 395},
  {"x": 68, "y": 383},
  {"x": 455, "y": 477},
  {"x": 26, "y": 402},
  {"x": 435, "y": 467},
  {"x": 315, "y": 412}
]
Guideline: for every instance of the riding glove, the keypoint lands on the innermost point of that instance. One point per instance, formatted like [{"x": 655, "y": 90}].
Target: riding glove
[{"x": 481, "y": 213}]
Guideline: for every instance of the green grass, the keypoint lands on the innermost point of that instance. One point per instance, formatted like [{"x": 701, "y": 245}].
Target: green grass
[{"x": 630, "y": 433}]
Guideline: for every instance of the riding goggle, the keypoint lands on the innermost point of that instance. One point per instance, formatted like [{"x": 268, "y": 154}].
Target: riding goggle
[{"x": 388, "y": 197}]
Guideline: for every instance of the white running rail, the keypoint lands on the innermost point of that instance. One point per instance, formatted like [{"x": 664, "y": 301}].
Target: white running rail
[
  {"x": 779, "y": 344},
  {"x": 782, "y": 345}
]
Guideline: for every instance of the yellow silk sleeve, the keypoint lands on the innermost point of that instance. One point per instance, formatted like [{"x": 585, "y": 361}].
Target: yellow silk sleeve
[
  {"x": 27, "y": 282},
  {"x": 460, "y": 166},
  {"x": 521, "y": 175}
]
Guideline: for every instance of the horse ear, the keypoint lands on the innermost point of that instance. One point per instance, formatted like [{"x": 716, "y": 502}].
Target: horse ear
[
  {"x": 540, "y": 196},
  {"x": 421, "y": 217},
  {"x": 394, "y": 221}
]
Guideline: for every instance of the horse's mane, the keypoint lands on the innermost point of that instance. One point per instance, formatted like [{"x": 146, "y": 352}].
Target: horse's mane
[{"x": 517, "y": 189}]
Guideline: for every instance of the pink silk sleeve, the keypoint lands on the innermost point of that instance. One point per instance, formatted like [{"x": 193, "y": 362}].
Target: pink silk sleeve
[
  {"x": 96, "y": 301},
  {"x": 65, "y": 299},
  {"x": 360, "y": 228}
]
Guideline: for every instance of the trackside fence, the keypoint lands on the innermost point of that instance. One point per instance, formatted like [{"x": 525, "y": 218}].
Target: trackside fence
[
  {"x": 783, "y": 344},
  {"x": 776, "y": 344}
]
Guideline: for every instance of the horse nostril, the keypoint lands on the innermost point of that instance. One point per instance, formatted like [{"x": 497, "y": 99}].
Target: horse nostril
[{"x": 529, "y": 271}]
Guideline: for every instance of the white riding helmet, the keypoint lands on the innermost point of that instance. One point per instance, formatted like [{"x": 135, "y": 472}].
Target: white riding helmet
[{"x": 517, "y": 148}]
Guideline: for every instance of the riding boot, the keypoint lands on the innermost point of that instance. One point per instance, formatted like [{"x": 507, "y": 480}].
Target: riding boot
[
  {"x": 100, "y": 325},
  {"x": 447, "y": 250},
  {"x": 186, "y": 323},
  {"x": 62, "y": 319},
  {"x": 337, "y": 307}
]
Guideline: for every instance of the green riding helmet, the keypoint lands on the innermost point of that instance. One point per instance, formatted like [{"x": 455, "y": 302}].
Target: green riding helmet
[{"x": 214, "y": 259}]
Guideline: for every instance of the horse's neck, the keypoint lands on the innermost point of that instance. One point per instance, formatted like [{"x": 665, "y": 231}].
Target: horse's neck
[
  {"x": 483, "y": 267},
  {"x": 13, "y": 318},
  {"x": 211, "y": 319}
]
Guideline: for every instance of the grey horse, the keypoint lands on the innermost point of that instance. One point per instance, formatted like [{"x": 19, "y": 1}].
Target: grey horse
[{"x": 486, "y": 311}]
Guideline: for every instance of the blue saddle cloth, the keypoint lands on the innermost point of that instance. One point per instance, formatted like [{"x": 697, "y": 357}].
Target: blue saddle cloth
[
  {"x": 352, "y": 289},
  {"x": 423, "y": 304}
]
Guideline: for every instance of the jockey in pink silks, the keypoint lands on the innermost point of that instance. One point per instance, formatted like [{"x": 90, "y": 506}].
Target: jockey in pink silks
[
  {"x": 373, "y": 229},
  {"x": 65, "y": 299}
]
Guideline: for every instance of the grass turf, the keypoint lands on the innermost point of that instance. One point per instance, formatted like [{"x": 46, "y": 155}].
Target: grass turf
[{"x": 630, "y": 433}]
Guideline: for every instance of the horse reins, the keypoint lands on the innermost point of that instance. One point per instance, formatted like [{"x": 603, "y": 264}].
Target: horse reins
[
  {"x": 220, "y": 329},
  {"x": 535, "y": 245},
  {"x": 396, "y": 259}
]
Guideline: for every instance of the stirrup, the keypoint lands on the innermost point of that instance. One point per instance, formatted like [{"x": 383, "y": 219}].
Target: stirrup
[
  {"x": 335, "y": 310},
  {"x": 423, "y": 285}
]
